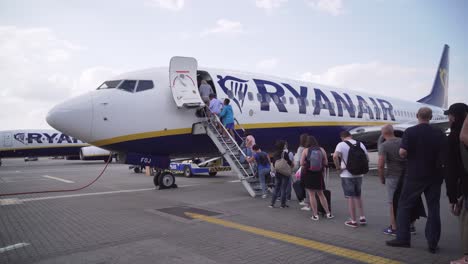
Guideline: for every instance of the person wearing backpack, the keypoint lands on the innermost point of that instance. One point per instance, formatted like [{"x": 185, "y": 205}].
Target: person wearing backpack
[
  {"x": 352, "y": 162},
  {"x": 313, "y": 161},
  {"x": 282, "y": 166},
  {"x": 263, "y": 167}
]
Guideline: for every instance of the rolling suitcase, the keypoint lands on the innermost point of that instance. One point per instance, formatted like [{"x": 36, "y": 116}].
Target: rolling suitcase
[
  {"x": 327, "y": 194},
  {"x": 299, "y": 190}
]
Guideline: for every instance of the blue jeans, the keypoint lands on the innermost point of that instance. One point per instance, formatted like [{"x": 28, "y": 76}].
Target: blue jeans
[
  {"x": 410, "y": 194},
  {"x": 281, "y": 183},
  {"x": 262, "y": 173},
  {"x": 288, "y": 189}
]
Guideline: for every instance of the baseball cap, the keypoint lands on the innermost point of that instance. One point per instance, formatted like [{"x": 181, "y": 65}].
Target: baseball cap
[{"x": 457, "y": 108}]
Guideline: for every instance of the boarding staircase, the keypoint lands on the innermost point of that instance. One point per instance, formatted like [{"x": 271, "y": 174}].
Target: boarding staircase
[{"x": 230, "y": 151}]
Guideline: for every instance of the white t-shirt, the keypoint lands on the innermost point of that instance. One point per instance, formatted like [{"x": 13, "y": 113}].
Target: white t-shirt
[{"x": 343, "y": 148}]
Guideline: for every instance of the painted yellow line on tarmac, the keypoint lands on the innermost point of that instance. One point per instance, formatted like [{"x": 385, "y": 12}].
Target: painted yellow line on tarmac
[{"x": 330, "y": 249}]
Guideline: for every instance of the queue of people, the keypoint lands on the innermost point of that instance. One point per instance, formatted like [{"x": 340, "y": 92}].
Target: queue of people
[{"x": 417, "y": 163}]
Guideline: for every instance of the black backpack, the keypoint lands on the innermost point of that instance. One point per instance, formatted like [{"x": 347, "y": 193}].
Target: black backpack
[{"x": 357, "y": 162}]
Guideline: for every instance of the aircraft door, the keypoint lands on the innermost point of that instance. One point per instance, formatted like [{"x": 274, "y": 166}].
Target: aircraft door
[
  {"x": 7, "y": 140},
  {"x": 183, "y": 82}
]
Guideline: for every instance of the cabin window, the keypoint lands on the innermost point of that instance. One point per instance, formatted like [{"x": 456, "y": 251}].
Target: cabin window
[
  {"x": 306, "y": 102},
  {"x": 250, "y": 96},
  {"x": 275, "y": 99},
  {"x": 283, "y": 99},
  {"x": 144, "y": 85},
  {"x": 127, "y": 85},
  {"x": 291, "y": 100},
  {"x": 259, "y": 97},
  {"x": 313, "y": 103},
  {"x": 109, "y": 84},
  {"x": 268, "y": 98}
]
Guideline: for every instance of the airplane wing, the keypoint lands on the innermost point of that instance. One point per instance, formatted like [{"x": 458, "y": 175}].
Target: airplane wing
[{"x": 369, "y": 135}]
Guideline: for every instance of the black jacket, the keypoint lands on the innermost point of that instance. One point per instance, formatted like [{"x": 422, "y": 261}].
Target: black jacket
[{"x": 456, "y": 179}]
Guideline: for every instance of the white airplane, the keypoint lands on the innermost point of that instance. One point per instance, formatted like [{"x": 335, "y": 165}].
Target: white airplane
[
  {"x": 154, "y": 112},
  {"x": 46, "y": 142}
]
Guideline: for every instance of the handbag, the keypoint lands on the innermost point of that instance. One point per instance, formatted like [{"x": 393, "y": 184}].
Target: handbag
[{"x": 282, "y": 166}]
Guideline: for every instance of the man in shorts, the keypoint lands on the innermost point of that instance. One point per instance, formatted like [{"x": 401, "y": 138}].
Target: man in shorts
[
  {"x": 351, "y": 183},
  {"x": 389, "y": 155}
]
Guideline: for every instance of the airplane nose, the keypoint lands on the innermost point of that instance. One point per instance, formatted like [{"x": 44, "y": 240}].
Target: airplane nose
[{"x": 73, "y": 117}]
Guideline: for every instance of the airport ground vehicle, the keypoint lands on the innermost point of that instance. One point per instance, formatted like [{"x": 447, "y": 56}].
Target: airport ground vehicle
[
  {"x": 189, "y": 168},
  {"x": 26, "y": 159}
]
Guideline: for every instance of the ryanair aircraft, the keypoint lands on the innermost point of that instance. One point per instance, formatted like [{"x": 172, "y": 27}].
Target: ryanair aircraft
[
  {"x": 46, "y": 142},
  {"x": 153, "y": 112}
]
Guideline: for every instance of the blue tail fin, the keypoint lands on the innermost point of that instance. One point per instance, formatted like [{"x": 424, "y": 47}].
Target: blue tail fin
[{"x": 439, "y": 94}]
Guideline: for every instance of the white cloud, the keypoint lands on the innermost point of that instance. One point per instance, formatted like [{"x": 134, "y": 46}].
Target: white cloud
[
  {"x": 33, "y": 63},
  {"x": 226, "y": 27},
  {"x": 35, "y": 75},
  {"x": 377, "y": 78},
  {"x": 92, "y": 77},
  {"x": 333, "y": 7},
  {"x": 269, "y": 4},
  {"x": 267, "y": 65},
  {"x": 388, "y": 80},
  {"x": 174, "y": 5}
]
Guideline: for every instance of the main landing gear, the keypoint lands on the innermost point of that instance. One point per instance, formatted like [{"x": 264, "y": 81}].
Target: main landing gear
[{"x": 164, "y": 179}]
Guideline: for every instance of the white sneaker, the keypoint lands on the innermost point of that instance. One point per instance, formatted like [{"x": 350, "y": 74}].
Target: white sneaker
[
  {"x": 302, "y": 203},
  {"x": 305, "y": 208}
]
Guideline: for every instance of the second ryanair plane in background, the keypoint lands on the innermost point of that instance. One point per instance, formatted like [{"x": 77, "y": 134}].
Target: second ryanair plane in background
[{"x": 46, "y": 142}]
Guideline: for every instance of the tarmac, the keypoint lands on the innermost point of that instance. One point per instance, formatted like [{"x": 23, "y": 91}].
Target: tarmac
[{"x": 122, "y": 218}]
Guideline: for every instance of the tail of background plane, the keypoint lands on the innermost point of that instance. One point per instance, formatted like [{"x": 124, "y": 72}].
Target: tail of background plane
[{"x": 439, "y": 94}]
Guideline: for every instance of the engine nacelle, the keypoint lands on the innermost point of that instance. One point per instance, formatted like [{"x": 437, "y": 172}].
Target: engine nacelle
[{"x": 94, "y": 153}]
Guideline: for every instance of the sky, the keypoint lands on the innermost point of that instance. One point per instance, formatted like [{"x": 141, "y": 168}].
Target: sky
[{"x": 51, "y": 50}]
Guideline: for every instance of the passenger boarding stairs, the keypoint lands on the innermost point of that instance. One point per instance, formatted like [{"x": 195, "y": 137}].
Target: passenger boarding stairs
[{"x": 230, "y": 151}]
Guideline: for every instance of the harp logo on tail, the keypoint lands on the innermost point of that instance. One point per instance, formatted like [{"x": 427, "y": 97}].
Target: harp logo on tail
[{"x": 443, "y": 77}]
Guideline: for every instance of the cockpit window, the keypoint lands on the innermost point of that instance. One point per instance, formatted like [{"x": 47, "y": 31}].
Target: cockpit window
[
  {"x": 144, "y": 85},
  {"x": 128, "y": 85},
  {"x": 109, "y": 84}
]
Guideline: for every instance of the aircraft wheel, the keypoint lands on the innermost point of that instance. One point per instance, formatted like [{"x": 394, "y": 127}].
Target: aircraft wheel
[
  {"x": 187, "y": 172},
  {"x": 137, "y": 170},
  {"x": 213, "y": 173},
  {"x": 166, "y": 180}
]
